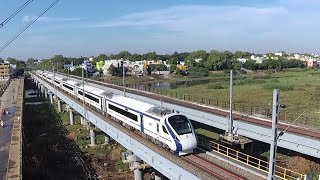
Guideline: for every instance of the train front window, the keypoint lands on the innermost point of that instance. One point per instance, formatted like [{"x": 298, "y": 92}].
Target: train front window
[{"x": 180, "y": 124}]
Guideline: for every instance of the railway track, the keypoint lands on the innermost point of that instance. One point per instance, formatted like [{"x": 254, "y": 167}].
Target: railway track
[
  {"x": 212, "y": 169},
  {"x": 213, "y": 110}
]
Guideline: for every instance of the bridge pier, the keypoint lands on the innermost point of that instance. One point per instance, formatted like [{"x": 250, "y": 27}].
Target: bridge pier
[
  {"x": 45, "y": 92},
  {"x": 87, "y": 124},
  {"x": 71, "y": 114},
  {"x": 137, "y": 174},
  {"x": 41, "y": 89},
  {"x": 51, "y": 97},
  {"x": 92, "y": 137},
  {"x": 59, "y": 105},
  {"x": 81, "y": 120},
  {"x": 158, "y": 176}
]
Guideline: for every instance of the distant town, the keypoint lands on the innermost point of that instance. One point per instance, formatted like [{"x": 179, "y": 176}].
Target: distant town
[{"x": 195, "y": 64}]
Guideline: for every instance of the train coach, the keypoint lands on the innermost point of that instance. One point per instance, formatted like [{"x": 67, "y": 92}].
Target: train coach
[{"x": 163, "y": 126}]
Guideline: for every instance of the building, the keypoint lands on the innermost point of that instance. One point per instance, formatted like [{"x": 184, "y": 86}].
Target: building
[
  {"x": 5, "y": 71},
  {"x": 87, "y": 65},
  {"x": 278, "y": 54},
  {"x": 311, "y": 63},
  {"x": 257, "y": 58},
  {"x": 243, "y": 60}
]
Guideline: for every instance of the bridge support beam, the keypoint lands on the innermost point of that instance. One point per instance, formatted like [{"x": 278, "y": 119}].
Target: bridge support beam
[
  {"x": 158, "y": 176},
  {"x": 137, "y": 174},
  {"x": 51, "y": 97},
  {"x": 45, "y": 92},
  {"x": 59, "y": 105},
  {"x": 88, "y": 125},
  {"x": 71, "y": 117},
  {"x": 81, "y": 120},
  {"x": 92, "y": 137}
]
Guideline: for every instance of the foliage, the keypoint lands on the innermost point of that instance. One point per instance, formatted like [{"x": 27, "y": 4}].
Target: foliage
[
  {"x": 77, "y": 71},
  {"x": 216, "y": 86},
  {"x": 198, "y": 72},
  {"x": 282, "y": 87},
  {"x": 250, "y": 81},
  {"x": 158, "y": 67}
]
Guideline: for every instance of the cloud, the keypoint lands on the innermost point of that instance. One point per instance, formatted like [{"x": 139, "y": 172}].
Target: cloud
[
  {"x": 50, "y": 19},
  {"x": 196, "y": 17}
]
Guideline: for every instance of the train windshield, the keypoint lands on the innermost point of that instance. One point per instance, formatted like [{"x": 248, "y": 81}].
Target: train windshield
[{"x": 180, "y": 124}]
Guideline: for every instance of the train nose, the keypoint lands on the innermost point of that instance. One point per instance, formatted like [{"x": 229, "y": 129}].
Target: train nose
[{"x": 188, "y": 143}]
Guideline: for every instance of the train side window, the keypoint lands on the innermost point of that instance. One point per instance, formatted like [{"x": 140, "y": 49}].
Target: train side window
[
  {"x": 164, "y": 130},
  {"x": 157, "y": 127}
]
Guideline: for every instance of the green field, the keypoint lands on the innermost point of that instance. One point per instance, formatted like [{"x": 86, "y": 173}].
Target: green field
[{"x": 299, "y": 90}]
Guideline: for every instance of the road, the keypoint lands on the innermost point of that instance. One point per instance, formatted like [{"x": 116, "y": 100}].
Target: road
[{"x": 8, "y": 101}]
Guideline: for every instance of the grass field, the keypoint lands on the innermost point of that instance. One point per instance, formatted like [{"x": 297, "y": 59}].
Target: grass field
[{"x": 299, "y": 90}]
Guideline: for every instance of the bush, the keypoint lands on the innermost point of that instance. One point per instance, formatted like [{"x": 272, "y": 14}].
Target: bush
[
  {"x": 274, "y": 81},
  {"x": 215, "y": 86},
  {"x": 250, "y": 81},
  {"x": 282, "y": 87},
  {"x": 198, "y": 72}
]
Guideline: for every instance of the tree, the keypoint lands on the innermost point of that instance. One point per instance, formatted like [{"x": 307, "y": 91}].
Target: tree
[
  {"x": 124, "y": 55},
  {"x": 101, "y": 57},
  {"x": 250, "y": 64},
  {"x": 150, "y": 56},
  {"x": 135, "y": 57},
  {"x": 77, "y": 71},
  {"x": 198, "y": 72},
  {"x": 112, "y": 70},
  {"x": 202, "y": 54},
  {"x": 174, "y": 58}
]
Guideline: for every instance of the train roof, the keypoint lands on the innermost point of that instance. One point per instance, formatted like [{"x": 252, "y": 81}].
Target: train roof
[
  {"x": 93, "y": 90},
  {"x": 132, "y": 103},
  {"x": 61, "y": 78},
  {"x": 71, "y": 82}
]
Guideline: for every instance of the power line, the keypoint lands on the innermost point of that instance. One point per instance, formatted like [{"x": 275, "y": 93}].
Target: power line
[
  {"x": 27, "y": 26},
  {"x": 15, "y": 13}
]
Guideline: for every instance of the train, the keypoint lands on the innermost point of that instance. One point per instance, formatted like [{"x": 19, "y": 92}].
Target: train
[{"x": 165, "y": 127}]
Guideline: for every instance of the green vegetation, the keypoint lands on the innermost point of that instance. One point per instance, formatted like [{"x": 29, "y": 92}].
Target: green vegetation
[{"x": 299, "y": 91}]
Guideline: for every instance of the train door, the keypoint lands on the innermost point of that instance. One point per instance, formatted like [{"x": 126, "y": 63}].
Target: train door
[
  {"x": 141, "y": 123},
  {"x": 158, "y": 131}
]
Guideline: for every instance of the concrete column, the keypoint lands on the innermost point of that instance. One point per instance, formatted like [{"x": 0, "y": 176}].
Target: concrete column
[
  {"x": 51, "y": 98},
  {"x": 92, "y": 137},
  {"x": 106, "y": 139},
  {"x": 81, "y": 120},
  {"x": 45, "y": 93},
  {"x": 59, "y": 105},
  {"x": 87, "y": 125},
  {"x": 71, "y": 117},
  {"x": 137, "y": 174},
  {"x": 158, "y": 176}
]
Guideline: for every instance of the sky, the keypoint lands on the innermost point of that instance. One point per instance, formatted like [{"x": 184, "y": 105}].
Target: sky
[{"x": 75, "y": 28}]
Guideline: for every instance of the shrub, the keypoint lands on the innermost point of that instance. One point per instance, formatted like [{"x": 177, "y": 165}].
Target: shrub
[
  {"x": 215, "y": 86},
  {"x": 198, "y": 72},
  {"x": 282, "y": 87},
  {"x": 250, "y": 81},
  {"x": 274, "y": 80}
]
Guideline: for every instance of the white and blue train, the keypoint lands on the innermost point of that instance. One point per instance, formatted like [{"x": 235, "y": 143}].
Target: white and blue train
[{"x": 165, "y": 127}]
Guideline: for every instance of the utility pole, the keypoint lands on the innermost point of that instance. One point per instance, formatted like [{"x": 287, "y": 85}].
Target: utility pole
[
  {"x": 83, "y": 100},
  {"x": 230, "y": 122},
  {"x": 274, "y": 135},
  {"x": 124, "y": 87}
]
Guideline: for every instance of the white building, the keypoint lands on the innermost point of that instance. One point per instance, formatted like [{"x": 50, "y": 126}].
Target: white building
[
  {"x": 278, "y": 54},
  {"x": 243, "y": 60},
  {"x": 257, "y": 58}
]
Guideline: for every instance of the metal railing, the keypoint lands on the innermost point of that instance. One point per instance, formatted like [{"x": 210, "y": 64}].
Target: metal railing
[{"x": 248, "y": 160}]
